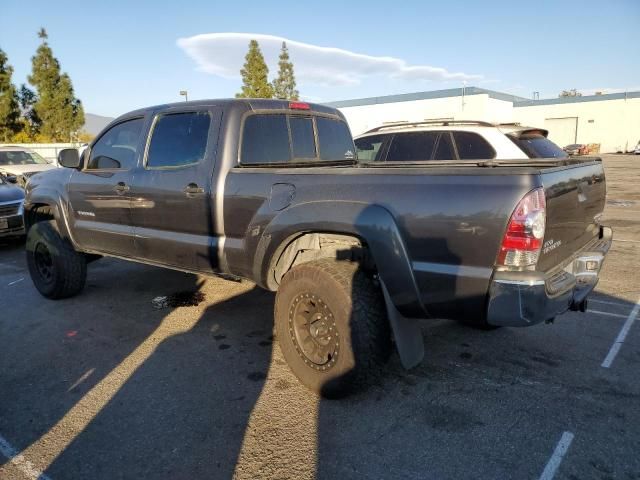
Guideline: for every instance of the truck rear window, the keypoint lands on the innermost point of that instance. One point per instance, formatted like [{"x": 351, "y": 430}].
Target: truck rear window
[
  {"x": 537, "y": 146},
  {"x": 283, "y": 138}
]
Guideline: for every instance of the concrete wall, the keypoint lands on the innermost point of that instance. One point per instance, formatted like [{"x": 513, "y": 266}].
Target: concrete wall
[
  {"x": 613, "y": 121},
  {"x": 476, "y": 107},
  {"x": 614, "y": 124}
]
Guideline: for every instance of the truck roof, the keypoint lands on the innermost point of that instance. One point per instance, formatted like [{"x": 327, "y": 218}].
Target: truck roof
[{"x": 240, "y": 103}]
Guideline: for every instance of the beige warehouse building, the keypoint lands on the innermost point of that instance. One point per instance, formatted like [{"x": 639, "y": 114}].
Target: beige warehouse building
[{"x": 610, "y": 120}]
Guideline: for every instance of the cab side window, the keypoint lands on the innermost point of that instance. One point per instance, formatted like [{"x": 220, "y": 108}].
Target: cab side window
[
  {"x": 178, "y": 139},
  {"x": 118, "y": 147}
]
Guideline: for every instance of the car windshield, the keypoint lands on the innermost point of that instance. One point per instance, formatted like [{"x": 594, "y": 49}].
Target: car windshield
[
  {"x": 20, "y": 157},
  {"x": 538, "y": 146}
]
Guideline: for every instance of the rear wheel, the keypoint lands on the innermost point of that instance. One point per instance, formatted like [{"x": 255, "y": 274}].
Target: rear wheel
[
  {"x": 56, "y": 269},
  {"x": 332, "y": 327}
]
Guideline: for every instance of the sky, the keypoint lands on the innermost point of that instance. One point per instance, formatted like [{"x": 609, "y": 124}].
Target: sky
[{"x": 126, "y": 54}]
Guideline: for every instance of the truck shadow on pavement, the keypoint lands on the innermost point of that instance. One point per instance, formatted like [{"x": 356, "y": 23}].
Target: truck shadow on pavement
[{"x": 184, "y": 410}]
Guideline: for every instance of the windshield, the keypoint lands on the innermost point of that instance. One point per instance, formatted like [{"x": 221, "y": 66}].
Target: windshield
[
  {"x": 538, "y": 146},
  {"x": 20, "y": 157}
]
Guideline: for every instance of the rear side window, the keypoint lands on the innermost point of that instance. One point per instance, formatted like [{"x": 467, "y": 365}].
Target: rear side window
[
  {"x": 369, "y": 148},
  {"x": 118, "y": 147},
  {"x": 334, "y": 139},
  {"x": 414, "y": 146},
  {"x": 178, "y": 139},
  {"x": 281, "y": 138},
  {"x": 265, "y": 139},
  {"x": 538, "y": 146},
  {"x": 472, "y": 146}
]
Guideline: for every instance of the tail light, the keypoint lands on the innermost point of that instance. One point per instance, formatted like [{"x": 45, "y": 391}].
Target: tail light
[{"x": 522, "y": 241}]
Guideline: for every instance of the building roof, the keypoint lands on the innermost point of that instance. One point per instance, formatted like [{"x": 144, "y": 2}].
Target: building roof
[
  {"x": 584, "y": 98},
  {"x": 456, "y": 92},
  {"x": 410, "y": 97}
]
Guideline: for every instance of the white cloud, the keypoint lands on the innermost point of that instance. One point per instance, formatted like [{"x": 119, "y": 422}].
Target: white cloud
[{"x": 223, "y": 54}]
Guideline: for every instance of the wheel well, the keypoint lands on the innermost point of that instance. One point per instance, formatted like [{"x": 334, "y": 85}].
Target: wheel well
[
  {"x": 38, "y": 212},
  {"x": 314, "y": 246}
]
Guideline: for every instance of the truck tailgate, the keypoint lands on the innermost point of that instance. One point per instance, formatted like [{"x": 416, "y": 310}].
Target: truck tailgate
[{"x": 575, "y": 199}]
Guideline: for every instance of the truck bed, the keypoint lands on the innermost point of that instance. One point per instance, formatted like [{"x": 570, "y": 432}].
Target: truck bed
[{"x": 451, "y": 215}]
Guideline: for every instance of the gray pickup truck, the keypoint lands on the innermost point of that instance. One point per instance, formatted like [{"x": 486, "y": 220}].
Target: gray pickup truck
[{"x": 357, "y": 252}]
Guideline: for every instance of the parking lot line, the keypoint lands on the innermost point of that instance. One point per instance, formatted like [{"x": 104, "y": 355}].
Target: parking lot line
[
  {"x": 604, "y": 302},
  {"x": 609, "y": 314},
  {"x": 615, "y": 348},
  {"x": 558, "y": 454},
  {"x": 19, "y": 461}
]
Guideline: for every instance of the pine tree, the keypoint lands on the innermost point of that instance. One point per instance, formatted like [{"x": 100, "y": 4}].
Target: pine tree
[
  {"x": 9, "y": 105},
  {"x": 60, "y": 114},
  {"x": 285, "y": 85},
  {"x": 255, "y": 82}
]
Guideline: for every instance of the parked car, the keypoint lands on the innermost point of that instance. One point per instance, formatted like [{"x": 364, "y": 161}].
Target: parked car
[
  {"x": 18, "y": 164},
  {"x": 11, "y": 209},
  {"x": 271, "y": 191},
  {"x": 455, "y": 140},
  {"x": 577, "y": 149}
]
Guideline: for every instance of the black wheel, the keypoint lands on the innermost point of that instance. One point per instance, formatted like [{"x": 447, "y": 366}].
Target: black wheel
[
  {"x": 332, "y": 326},
  {"x": 56, "y": 269}
]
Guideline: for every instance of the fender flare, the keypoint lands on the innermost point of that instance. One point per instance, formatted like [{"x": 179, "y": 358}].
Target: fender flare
[
  {"x": 376, "y": 226},
  {"x": 49, "y": 199}
]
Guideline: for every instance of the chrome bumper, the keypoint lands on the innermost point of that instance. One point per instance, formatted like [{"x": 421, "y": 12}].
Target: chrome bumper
[{"x": 520, "y": 299}]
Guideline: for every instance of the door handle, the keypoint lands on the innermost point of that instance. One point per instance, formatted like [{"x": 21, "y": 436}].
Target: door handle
[
  {"x": 193, "y": 189},
  {"x": 121, "y": 187}
]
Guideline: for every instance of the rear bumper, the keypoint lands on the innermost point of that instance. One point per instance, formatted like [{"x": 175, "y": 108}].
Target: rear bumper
[{"x": 520, "y": 299}]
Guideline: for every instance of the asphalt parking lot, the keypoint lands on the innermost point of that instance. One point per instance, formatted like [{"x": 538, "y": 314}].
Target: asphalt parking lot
[{"x": 107, "y": 386}]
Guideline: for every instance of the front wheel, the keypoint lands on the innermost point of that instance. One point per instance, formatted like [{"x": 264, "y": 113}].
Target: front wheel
[
  {"x": 56, "y": 269},
  {"x": 332, "y": 326}
]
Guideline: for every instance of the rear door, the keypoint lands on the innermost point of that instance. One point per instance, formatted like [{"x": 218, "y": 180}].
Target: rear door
[
  {"x": 99, "y": 194},
  {"x": 171, "y": 196}
]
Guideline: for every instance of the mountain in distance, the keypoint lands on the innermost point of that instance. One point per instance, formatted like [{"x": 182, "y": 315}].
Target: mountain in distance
[{"x": 94, "y": 124}]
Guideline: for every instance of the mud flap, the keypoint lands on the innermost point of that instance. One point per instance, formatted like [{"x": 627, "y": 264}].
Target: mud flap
[{"x": 406, "y": 332}]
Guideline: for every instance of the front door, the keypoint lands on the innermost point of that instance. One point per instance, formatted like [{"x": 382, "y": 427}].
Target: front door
[
  {"x": 99, "y": 194},
  {"x": 172, "y": 200}
]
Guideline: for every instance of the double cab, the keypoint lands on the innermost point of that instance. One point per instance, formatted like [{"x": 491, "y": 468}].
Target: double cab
[{"x": 357, "y": 251}]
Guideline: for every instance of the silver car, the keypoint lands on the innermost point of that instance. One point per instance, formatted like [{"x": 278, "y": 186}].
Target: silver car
[{"x": 18, "y": 164}]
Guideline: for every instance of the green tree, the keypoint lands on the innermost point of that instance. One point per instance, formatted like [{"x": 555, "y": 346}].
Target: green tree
[
  {"x": 255, "y": 73},
  {"x": 59, "y": 112},
  {"x": 284, "y": 86},
  {"x": 10, "y": 123}
]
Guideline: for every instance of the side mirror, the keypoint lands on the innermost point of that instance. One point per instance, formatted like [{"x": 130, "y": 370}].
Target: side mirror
[
  {"x": 69, "y": 158},
  {"x": 11, "y": 179}
]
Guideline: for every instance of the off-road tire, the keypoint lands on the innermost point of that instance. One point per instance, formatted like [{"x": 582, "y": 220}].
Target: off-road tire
[
  {"x": 67, "y": 271},
  {"x": 362, "y": 330}
]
